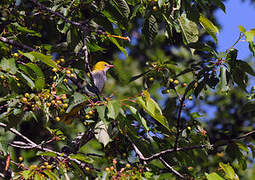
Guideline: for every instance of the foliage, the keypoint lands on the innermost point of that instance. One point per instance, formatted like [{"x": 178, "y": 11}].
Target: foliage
[{"x": 154, "y": 119}]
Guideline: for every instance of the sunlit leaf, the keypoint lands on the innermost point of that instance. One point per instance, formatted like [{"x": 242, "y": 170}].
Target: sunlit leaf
[
  {"x": 101, "y": 133},
  {"x": 189, "y": 30},
  {"x": 209, "y": 27}
]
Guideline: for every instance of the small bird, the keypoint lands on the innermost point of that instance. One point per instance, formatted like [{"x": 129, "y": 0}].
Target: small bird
[{"x": 99, "y": 77}]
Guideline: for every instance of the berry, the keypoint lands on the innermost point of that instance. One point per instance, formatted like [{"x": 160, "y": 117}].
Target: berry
[
  {"x": 189, "y": 128},
  {"x": 72, "y": 75},
  {"x": 128, "y": 165},
  {"x": 62, "y": 60},
  {"x": 59, "y": 102},
  {"x": 49, "y": 166},
  {"x": 68, "y": 71},
  {"x": 46, "y": 163},
  {"x": 107, "y": 169},
  {"x": 87, "y": 168},
  {"x": 57, "y": 118},
  {"x": 176, "y": 82},
  {"x": 65, "y": 80},
  {"x": 2, "y": 77},
  {"x": 171, "y": 80},
  {"x": 24, "y": 100},
  {"x": 151, "y": 79},
  {"x": 21, "y": 158},
  {"x": 155, "y": 8},
  {"x": 65, "y": 105},
  {"x": 87, "y": 116},
  {"x": 15, "y": 54},
  {"x": 54, "y": 70},
  {"x": 190, "y": 97},
  {"x": 90, "y": 112},
  {"x": 27, "y": 95},
  {"x": 184, "y": 84}
]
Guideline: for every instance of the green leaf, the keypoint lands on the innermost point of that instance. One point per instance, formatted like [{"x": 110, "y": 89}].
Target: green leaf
[
  {"x": 40, "y": 80},
  {"x": 94, "y": 47},
  {"x": 220, "y": 4},
  {"x": 250, "y": 35},
  {"x": 113, "y": 109},
  {"x": 223, "y": 79},
  {"x": 189, "y": 29},
  {"x": 242, "y": 146},
  {"x": 50, "y": 154},
  {"x": 248, "y": 107},
  {"x": 38, "y": 177},
  {"x": 209, "y": 27},
  {"x": 26, "y": 30},
  {"x": 4, "y": 145},
  {"x": 240, "y": 78},
  {"x": 229, "y": 171},
  {"x": 81, "y": 157},
  {"x": 153, "y": 109},
  {"x": 232, "y": 54},
  {"x": 114, "y": 41},
  {"x": 27, "y": 174},
  {"x": 51, "y": 174},
  {"x": 8, "y": 65},
  {"x": 122, "y": 7},
  {"x": 47, "y": 59},
  {"x": 213, "y": 176},
  {"x": 101, "y": 112},
  {"x": 242, "y": 29},
  {"x": 101, "y": 133},
  {"x": 245, "y": 67},
  {"x": 252, "y": 48},
  {"x": 138, "y": 116},
  {"x": 78, "y": 98},
  {"x": 30, "y": 82},
  {"x": 150, "y": 29}
]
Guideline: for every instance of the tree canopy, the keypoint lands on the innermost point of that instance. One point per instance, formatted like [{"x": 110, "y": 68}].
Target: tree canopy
[{"x": 173, "y": 107}]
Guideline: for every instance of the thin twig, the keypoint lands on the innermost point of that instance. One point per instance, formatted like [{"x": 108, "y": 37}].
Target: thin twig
[
  {"x": 16, "y": 44},
  {"x": 171, "y": 168},
  {"x": 223, "y": 143},
  {"x": 179, "y": 122},
  {"x": 32, "y": 145}
]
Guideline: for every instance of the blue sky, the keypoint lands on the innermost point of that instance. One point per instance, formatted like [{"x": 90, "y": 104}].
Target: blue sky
[{"x": 237, "y": 13}]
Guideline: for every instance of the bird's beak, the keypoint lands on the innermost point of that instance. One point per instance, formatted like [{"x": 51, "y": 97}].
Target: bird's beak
[{"x": 110, "y": 66}]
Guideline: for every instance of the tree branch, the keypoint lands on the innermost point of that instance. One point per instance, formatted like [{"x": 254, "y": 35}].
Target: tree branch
[
  {"x": 211, "y": 146},
  {"x": 41, "y": 6},
  {"x": 16, "y": 44},
  {"x": 32, "y": 145},
  {"x": 179, "y": 122},
  {"x": 171, "y": 168}
]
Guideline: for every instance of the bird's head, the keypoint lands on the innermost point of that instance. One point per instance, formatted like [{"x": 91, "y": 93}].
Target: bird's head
[{"x": 102, "y": 66}]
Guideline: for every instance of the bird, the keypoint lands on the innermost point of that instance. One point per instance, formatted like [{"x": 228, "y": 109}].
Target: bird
[{"x": 99, "y": 77}]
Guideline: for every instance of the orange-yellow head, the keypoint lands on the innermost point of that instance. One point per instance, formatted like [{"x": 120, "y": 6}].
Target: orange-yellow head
[{"x": 102, "y": 66}]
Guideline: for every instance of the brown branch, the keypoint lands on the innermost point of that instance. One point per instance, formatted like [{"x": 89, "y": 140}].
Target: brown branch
[
  {"x": 211, "y": 146},
  {"x": 171, "y": 168},
  {"x": 41, "y": 6},
  {"x": 16, "y": 44},
  {"x": 179, "y": 122},
  {"x": 32, "y": 145}
]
